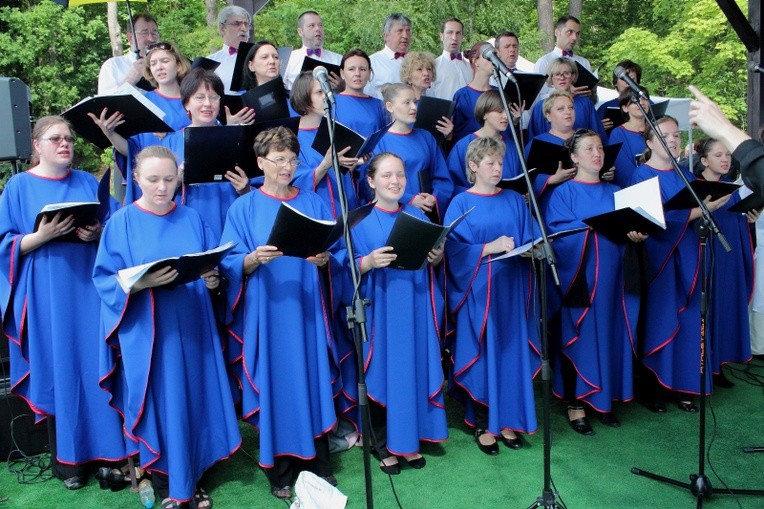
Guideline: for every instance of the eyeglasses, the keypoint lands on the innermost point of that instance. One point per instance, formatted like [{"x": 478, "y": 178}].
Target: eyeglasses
[
  {"x": 283, "y": 162},
  {"x": 200, "y": 98},
  {"x": 146, "y": 33},
  {"x": 57, "y": 139},
  {"x": 239, "y": 24},
  {"x": 563, "y": 74},
  {"x": 166, "y": 46}
]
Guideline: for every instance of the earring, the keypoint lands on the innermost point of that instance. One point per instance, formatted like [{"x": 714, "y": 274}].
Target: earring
[{"x": 188, "y": 114}]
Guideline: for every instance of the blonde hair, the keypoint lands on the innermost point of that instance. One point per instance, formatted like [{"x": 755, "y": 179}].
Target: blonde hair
[
  {"x": 555, "y": 65},
  {"x": 183, "y": 66},
  {"x": 157, "y": 151},
  {"x": 416, "y": 60},
  {"x": 480, "y": 148},
  {"x": 546, "y": 108}
]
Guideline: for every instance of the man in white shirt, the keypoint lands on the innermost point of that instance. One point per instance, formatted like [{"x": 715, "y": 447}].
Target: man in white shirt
[
  {"x": 507, "y": 46},
  {"x": 234, "y": 24},
  {"x": 310, "y": 28},
  {"x": 452, "y": 70},
  {"x": 567, "y": 32},
  {"x": 386, "y": 63},
  {"x": 128, "y": 68}
]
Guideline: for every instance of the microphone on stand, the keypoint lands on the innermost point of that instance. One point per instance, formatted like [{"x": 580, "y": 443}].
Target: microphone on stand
[
  {"x": 621, "y": 74},
  {"x": 490, "y": 54},
  {"x": 321, "y": 75}
]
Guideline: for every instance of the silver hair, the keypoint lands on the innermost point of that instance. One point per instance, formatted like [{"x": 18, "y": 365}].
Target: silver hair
[
  {"x": 232, "y": 10},
  {"x": 396, "y": 17}
]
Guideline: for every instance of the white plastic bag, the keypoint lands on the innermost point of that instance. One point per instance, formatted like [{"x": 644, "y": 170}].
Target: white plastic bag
[{"x": 312, "y": 492}]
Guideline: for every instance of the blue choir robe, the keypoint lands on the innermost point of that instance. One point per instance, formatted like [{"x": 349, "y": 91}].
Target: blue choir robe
[
  {"x": 731, "y": 289},
  {"x": 586, "y": 118},
  {"x": 598, "y": 328},
  {"x": 420, "y": 152},
  {"x": 326, "y": 187},
  {"x": 210, "y": 200},
  {"x": 495, "y": 351},
  {"x": 457, "y": 162},
  {"x": 49, "y": 307},
  {"x": 402, "y": 357},
  {"x": 364, "y": 115},
  {"x": 464, "y": 111},
  {"x": 162, "y": 362},
  {"x": 625, "y": 162},
  {"x": 671, "y": 339},
  {"x": 281, "y": 322}
]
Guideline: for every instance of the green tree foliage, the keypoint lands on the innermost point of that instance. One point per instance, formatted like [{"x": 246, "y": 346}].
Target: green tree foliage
[{"x": 694, "y": 44}]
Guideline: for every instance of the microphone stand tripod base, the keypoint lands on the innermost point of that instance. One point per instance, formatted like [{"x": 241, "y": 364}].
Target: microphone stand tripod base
[{"x": 547, "y": 500}]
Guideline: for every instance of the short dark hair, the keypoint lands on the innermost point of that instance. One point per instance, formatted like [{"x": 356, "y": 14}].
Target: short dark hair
[
  {"x": 579, "y": 135},
  {"x": 624, "y": 98},
  {"x": 447, "y": 20},
  {"x": 299, "y": 98},
  {"x": 628, "y": 65},
  {"x": 564, "y": 19},
  {"x": 355, "y": 52},
  {"x": 276, "y": 138},
  {"x": 196, "y": 78},
  {"x": 502, "y": 35}
]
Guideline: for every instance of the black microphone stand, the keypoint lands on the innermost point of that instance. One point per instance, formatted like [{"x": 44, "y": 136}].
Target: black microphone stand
[
  {"x": 548, "y": 498},
  {"x": 706, "y": 228},
  {"x": 356, "y": 312}
]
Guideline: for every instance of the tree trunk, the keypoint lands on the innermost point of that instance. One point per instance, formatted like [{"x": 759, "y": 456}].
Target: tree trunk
[
  {"x": 545, "y": 10},
  {"x": 115, "y": 33},
  {"x": 212, "y": 13},
  {"x": 574, "y": 8}
]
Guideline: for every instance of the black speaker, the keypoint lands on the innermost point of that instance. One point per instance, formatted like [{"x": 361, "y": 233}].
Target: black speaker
[
  {"x": 17, "y": 427},
  {"x": 16, "y": 127}
]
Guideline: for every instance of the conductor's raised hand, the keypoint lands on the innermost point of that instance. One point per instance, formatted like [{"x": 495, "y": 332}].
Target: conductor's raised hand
[
  {"x": 502, "y": 244},
  {"x": 238, "y": 179},
  {"x": 161, "y": 277}
]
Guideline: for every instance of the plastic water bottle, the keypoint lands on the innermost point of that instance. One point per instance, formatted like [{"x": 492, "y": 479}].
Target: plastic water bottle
[{"x": 146, "y": 492}]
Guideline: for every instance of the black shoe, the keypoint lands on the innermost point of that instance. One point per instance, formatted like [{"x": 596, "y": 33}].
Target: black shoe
[
  {"x": 655, "y": 405},
  {"x": 582, "y": 426},
  {"x": 492, "y": 449},
  {"x": 512, "y": 443},
  {"x": 74, "y": 483},
  {"x": 418, "y": 463},
  {"x": 330, "y": 479},
  {"x": 687, "y": 406},
  {"x": 284, "y": 493},
  {"x": 758, "y": 356},
  {"x": 391, "y": 469},
  {"x": 722, "y": 381},
  {"x": 609, "y": 419}
]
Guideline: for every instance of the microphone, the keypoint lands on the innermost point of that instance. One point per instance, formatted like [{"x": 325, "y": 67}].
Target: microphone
[
  {"x": 621, "y": 74},
  {"x": 755, "y": 68},
  {"x": 490, "y": 54},
  {"x": 321, "y": 75}
]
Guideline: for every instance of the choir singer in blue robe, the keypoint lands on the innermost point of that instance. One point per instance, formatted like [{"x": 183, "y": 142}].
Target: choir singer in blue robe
[
  {"x": 162, "y": 361},
  {"x": 402, "y": 358},
  {"x": 281, "y": 319},
  {"x": 495, "y": 352},
  {"x": 47, "y": 299}
]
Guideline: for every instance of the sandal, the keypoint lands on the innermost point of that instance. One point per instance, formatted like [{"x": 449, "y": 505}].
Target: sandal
[
  {"x": 201, "y": 497},
  {"x": 169, "y": 503}
]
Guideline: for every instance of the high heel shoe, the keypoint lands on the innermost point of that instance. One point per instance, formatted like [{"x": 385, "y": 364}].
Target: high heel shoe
[{"x": 393, "y": 469}]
